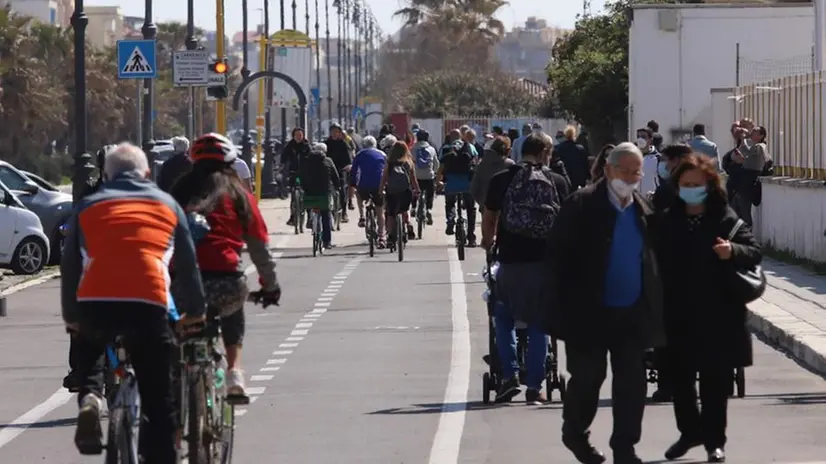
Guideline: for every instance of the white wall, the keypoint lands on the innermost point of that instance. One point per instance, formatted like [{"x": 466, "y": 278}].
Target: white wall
[
  {"x": 38, "y": 9},
  {"x": 792, "y": 216},
  {"x": 672, "y": 72},
  {"x": 722, "y": 115}
]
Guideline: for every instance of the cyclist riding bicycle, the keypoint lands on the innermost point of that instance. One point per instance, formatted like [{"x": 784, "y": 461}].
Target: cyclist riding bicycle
[
  {"x": 320, "y": 181},
  {"x": 213, "y": 190},
  {"x": 399, "y": 184},
  {"x": 114, "y": 281},
  {"x": 295, "y": 152},
  {"x": 458, "y": 158},
  {"x": 427, "y": 165},
  {"x": 341, "y": 153},
  {"x": 365, "y": 178}
]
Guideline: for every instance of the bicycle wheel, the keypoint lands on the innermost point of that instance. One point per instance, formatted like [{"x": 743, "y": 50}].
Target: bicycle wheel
[
  {"x": 296, "y": 204},
  {"x": 119, "y": 439},
  {"x": 224, "y": 431},
  {"x": 197, "y": 451},
  {"x": 314, "y": 234},
  {"x": 460, "y": 238},
  {"x": 371, "y": 232},
  {"x": 400, "y": 233},
  {"x": 420, "y": 218}
]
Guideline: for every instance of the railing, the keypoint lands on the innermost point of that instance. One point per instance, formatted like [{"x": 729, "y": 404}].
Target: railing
[{"x": 792, "y": 111}]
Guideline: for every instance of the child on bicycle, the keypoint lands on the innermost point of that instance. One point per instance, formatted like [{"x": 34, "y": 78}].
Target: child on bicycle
[{"x": 400, "y": 185}]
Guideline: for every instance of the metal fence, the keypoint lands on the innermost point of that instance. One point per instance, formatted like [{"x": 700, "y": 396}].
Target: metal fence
[
  {"x": 481, "y": 124},
  {"x": 791, "y": 110}
]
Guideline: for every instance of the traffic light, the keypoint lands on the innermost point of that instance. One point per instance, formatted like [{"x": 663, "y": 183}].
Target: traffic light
[{"x": 218, "y": 89}]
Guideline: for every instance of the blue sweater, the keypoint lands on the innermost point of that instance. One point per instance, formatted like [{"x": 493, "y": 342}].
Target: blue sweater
[{"x": 623, "y": 277}]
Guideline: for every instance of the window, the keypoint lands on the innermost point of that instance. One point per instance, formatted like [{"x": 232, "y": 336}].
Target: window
[
  {"x": 53, "y": 16},
  {"x": 13, "y": 180}
]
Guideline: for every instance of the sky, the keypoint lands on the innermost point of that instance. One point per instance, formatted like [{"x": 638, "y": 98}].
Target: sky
[{"x": 557, "y": 12}]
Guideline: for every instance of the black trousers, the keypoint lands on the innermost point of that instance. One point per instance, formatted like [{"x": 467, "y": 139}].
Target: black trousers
[
  {"x": 468, "y": 204},
  {"x": 149, "y": 341},
  {"x": 587, "y": 366},
  {"x": 708, "y": 423},
  {"x": 428, "y": 189}
]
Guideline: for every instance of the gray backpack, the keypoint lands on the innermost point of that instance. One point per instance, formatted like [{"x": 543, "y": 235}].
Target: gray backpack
[
  {"x": 531, "y": 203},
  {"x": 398, "y": 179}
]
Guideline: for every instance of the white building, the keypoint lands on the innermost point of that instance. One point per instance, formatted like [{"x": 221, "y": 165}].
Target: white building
[
  {"x": 678, "y": 53},
  {"x": 46, "y": 11}
]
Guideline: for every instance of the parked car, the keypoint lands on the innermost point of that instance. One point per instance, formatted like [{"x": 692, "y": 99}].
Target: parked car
[
  {"x": 23, "y": 246},
  {"x": 52, "y": 206}
]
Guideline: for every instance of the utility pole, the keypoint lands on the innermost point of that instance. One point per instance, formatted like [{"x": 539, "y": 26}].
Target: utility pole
[
  {"x": 220, "y": 105},
  {"x": 190, "y": 45},
  {"x": 149, "y": 31},
  {"x": 83, "y": 160}
]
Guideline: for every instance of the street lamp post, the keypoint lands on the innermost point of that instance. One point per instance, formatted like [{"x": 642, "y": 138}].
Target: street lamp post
[
  {"x": 149, "y": 31},
  {"x": 357, "y": 13},
  {"x": 246, "y": 141},
  {"x": 347, "y": 109},
  {"x": 318, "y": 68},
  {"x": 340, "y": 61},
  {"x": 191, "y": 44},
  {"x": 283, "y": 110},
  {"x": 327, "y": 53},
  {"x": 269, "y": 147},
  {"x": 83, "y": 160}
]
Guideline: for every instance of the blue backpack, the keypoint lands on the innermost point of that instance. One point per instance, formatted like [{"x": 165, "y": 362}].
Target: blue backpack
[{"x": 424, "y": 157}]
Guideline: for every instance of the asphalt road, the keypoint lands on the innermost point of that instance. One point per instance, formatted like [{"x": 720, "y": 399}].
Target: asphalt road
[{"x": 369, "y": 360}]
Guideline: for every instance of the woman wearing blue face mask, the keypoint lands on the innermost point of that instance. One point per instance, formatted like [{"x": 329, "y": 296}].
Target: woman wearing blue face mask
[
  {"x": 666, "y": 191},
  {"x": 705, "y": 322}
]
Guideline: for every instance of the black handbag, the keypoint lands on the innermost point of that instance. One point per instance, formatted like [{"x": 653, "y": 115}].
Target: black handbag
[{"x": 748, "y": 284}]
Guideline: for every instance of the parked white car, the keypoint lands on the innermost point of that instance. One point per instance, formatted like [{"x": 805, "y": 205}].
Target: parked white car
[{"x": 23, "y": 246}]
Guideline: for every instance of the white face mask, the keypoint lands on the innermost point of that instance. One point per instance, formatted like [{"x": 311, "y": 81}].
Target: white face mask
[
  {"x": 622, "y": 188},
  {"x": 642, "y": 143}
]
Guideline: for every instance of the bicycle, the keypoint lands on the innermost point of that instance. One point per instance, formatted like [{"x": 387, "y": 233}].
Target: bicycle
[
  {"x": 461, "y": 231},
  {"x": 371, "y": 229},
  {"x": 337, "y": 212},
  {"x": 421, "y": 216},
  {"x": 124, "y": 408},
  {"x": 315, "y": 222},
  {"x": 401, "y": 238},
  {"x": 207, "y": 412},
  {"x": 297, "y": 202}
]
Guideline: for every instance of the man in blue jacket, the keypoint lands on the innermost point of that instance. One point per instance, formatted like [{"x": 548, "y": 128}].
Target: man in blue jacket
[{"x": 365, "y": 178}]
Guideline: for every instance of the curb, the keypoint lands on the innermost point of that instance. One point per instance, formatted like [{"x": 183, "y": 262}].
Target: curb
[
  {"x": 44, "y": 277},
  {"x": 794, "y": 336}
]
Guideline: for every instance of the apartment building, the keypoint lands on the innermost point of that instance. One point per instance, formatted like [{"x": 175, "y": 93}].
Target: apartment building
[
  {"x": 526, "y": 51},
  {"x": 46, "y": 11},
  {"x": 105, "y": 27}
]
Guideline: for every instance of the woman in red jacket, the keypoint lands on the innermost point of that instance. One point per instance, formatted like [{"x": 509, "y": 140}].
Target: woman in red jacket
[{"x": 213, "y": 189}]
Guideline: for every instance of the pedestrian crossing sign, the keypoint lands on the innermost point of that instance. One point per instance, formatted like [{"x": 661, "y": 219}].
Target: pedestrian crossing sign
[{"x": 137, "y": 59}]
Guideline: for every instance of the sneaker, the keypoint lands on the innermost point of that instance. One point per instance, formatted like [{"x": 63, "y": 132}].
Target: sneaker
[
  {"x": 681, "y": 447},
  {"x": 471, "y": 242},
  {"x": 89, "y": 434},
  {"x": 429, "y": 218},
  {"x": 344, "y": 219},
  {"x": 508, "y": 390},
  {"x": 535, "y": 397},
  {"x": 71, "y": 382},
  {"x": 291, "y": 222},
  {"x": 362, "y": 222},
  {"x": 411, "y": 234},
  {"x": 235, "y": 385},
  {"x": 449, "y": 229},
  {"x": 350, "y": 205}
]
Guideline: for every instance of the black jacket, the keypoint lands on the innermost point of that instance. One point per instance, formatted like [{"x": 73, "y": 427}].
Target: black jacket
[
  {"x": 580, "y": 244},
  {"x": 339, "y": 152},
  {"x": 558, "y": 167},
  {"x": 294, "y": 153},
  {"x": 172, "y": 169},
  {"x": 703, "y": 323},
  {"x": 319, "y": 176},
  {"x": 664, "y": 196},
  {"x": 575, "y": 158}
]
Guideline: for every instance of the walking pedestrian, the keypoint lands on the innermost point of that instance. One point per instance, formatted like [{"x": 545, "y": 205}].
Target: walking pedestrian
[
  {"x": 699, "y": 247},
  {"x": 607, "y": 299}
]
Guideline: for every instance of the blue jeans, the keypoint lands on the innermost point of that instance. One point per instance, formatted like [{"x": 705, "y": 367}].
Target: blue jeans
[
  {"x": 326, "y": 226},
  {"x": 536, "y": 354}
]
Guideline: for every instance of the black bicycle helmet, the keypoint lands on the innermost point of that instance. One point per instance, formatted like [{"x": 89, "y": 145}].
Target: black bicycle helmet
[{"x": 422, "y": 135}]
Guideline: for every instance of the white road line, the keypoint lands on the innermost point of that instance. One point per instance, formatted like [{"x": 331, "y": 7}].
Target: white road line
[
  {"x": 288, "y": 345},
  {"x": 269, "y": 369},
  {"x": 240, "y": 412},
  {"x": 325, "y": 298},
  {"x": 282, "y": 352},
  {"x": 261, "y": 378},
  {"x": 276, "y": 361},
  {"x": 323, "y": 304},
  {"x": 303, "y": 325},
  {"x": 448, "y": 437},
  {"x": 30, "y": 417},
  {"x": 296, "y": 333},
  {"x": 312, "y": 315},
  {"x": 294, "y": 339},
  {"x": 255, "y": 391}
]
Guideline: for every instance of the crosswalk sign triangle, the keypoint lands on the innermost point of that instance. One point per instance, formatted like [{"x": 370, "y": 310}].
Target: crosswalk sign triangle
[{"x": 136, "y": 63}]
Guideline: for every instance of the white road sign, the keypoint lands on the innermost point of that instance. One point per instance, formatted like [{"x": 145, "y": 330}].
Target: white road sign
[{"x": 190, "y": 68}]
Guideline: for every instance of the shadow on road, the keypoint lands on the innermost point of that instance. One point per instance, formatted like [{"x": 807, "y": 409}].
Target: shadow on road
[
  {"x": 437, "y": 408},
  {"x": 67, "y": 422}
]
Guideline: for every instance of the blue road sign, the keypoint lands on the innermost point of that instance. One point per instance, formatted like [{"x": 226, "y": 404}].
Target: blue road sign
[
  {"x": 358, "y": 112},
  {"x": 316, "y": 94},
  {"x": 137, "y": 59}
]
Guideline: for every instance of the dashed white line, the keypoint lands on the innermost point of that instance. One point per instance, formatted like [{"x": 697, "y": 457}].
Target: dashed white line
[
  {"x": 294, "y": 339},
  {"x": 282, "y": 352},
  {"x": 256, "y": 391},
  {"x": 288, "y": 345},
  {"x": 299, "y": 332},
  {"x": 276, "y": 361},
  {"x": 303, "y": 325},
  {"x": 269, "y": 369},
  {"x": 261, "y": 378}
]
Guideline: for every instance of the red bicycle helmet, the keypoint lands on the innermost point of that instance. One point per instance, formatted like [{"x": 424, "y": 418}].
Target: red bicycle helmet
[{"x": 213, "y": 146}]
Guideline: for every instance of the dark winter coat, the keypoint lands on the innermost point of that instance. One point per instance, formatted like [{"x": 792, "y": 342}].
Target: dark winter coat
[
  {"x": 704, "y": 325},
  {"x": 580, "y": 244}
]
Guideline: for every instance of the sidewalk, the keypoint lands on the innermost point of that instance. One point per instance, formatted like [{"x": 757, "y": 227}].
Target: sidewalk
[{"x": 792, "y": 313}]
